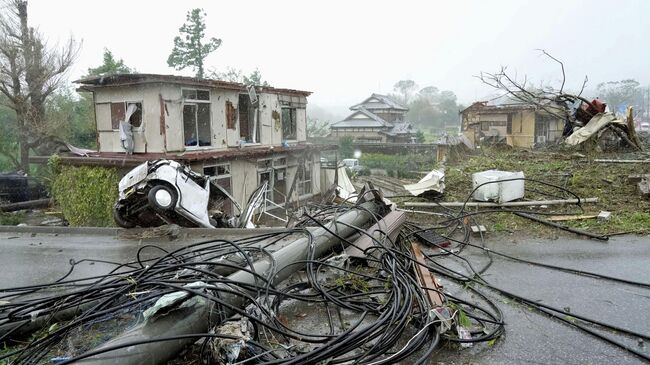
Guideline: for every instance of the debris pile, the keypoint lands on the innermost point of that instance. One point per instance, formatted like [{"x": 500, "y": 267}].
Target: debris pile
[{"x": 350, "y": 282}]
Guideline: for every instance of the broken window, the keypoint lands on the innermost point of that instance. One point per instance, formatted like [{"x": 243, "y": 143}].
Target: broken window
[
  {"x": 221, "y": 176},
  {"x": 279, "y": 185},
  {"x": 248, "y": 130},
  {"x": 118, "y": 113},
  {"x": 197, "y": 130},
  {"x": 222, "y": 170},
  {"x": 304, "y": 179},
  {"x": 289, "y": 123}
]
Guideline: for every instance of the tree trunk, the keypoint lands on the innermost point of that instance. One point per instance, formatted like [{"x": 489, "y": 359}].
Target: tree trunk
[{"x": 24, "y": 152}]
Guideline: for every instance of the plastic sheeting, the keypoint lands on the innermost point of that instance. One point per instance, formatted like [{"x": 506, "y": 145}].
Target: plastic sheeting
[{"x": 598, "y": 122}]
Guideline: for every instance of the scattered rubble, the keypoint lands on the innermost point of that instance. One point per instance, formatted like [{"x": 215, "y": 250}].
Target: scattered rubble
[{"x": 375, "y": 279}]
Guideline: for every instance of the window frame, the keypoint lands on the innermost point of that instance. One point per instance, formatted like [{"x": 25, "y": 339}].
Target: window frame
[
  {"x": 187, "y": 101},
  {"x": 293, "y": 111},
  {"x": 126, "y": 106}
]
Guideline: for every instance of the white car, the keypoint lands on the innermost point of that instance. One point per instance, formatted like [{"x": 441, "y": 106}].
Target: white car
[
  {"x": 352, "y": 164},
  {"x": 164, "y": 191}
]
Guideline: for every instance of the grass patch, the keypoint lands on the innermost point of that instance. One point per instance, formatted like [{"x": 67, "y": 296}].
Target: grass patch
[
  {"x": 86, "y": 194},
  {"x": 402, "y": 166},
  {"x": 607, "y": 182},
  {"x": 11, "y": 219}
]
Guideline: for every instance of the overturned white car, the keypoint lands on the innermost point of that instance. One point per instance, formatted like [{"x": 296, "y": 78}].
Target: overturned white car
[{"x": 164, "y": 191}]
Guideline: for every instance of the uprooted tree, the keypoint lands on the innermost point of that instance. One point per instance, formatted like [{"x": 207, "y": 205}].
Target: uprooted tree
[
  {"x": 552, "y": 100},
  {"x": 30, "y": 72}
]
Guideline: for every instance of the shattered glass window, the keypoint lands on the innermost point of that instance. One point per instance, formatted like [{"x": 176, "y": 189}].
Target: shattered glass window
[{"x": 289, "y": 123}]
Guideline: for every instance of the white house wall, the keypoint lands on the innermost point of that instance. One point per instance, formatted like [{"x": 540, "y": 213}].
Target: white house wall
[{"x": 148, "y": 138}]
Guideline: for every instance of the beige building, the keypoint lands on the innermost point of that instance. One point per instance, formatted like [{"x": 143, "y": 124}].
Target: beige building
[
  {"x": 241, "y": 136},
  {"x": 517, "y": 125}
]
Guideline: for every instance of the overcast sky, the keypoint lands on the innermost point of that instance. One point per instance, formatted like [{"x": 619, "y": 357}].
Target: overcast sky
[{"x": 345, "y": 50}]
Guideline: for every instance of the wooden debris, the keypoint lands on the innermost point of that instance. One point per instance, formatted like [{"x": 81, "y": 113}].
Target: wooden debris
[{"x": 563, "y": 218}]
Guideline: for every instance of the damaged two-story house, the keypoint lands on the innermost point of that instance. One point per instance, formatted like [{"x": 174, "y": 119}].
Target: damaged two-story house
[
  {"x": 241, "y": 136},
  {"x": 376, "y": 119}
]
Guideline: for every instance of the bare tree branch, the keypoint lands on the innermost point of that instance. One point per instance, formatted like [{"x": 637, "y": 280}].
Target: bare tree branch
[{"x": 561, "y": 65}]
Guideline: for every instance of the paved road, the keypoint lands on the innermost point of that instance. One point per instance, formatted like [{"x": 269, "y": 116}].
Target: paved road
[
  {"x": 530, "y": 338},
  {"x": 30, "y": 258}
]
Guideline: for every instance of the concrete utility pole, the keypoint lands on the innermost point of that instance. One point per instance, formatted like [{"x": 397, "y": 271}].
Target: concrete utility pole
[{"x": 195, "y": 315}]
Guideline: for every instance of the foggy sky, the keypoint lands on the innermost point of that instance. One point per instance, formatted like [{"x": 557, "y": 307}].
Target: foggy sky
[{"x": 345, "y": 50}]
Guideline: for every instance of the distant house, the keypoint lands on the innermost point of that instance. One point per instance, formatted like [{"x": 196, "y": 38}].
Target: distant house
[
  {"x": 517, "y": 125},
  {"x": 241, "y": 136},
  {"x": 376, "y": 119}
]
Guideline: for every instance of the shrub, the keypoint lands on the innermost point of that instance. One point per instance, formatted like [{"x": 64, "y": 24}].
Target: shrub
[
  {"x": 346, "y": 146},
  {"x": 402, "y": 166},
  {"x": 85, "y": 194}
]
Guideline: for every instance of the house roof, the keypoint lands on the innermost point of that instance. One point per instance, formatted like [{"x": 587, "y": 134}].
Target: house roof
[
  {"x": 403, "y": 128},
  {"x": 378, "y": 101},
  {"x": 370, "y": 120},
  {"x": 500, "y": 108},
  {"x": 93, "y": 82}
]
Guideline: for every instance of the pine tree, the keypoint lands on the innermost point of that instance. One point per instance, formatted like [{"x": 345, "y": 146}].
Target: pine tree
[{"x": 190, "y": 49}]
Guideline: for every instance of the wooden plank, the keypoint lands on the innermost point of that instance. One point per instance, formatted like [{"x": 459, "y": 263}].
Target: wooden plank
[
  {"x": 562, "y": 218},
  {"x": 427, "y": 280}
]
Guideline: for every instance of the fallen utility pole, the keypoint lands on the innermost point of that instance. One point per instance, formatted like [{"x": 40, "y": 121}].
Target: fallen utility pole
[
  {"x": 197, "y": 313},
  {"x": 563, "y": 227},
  {"x": 507, "y": 204},
  {"x": 30, "y": 204}
]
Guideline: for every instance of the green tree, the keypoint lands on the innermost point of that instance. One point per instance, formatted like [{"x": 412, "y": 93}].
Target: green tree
[
  {"x": 405, "y": 88},
  {"x": 190, "y": 49},
  {"x": 235, "y": 75},
  {"x": 317, "y": 128},
  {"x": 419, "y": 136},
  {"x": 74, "y": 116},
  {"x": 30, "y": 73},
  {"x": 110, "y": 66},
  {"x": 620, "y": 94},
  {"x": 8, "y": 137},
  {"x": 255, "y": 78},
  {"x": 346, "y": 146}
]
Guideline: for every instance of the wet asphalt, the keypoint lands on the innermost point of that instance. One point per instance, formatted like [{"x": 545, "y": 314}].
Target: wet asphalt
[{"x": 530, "y": 338}]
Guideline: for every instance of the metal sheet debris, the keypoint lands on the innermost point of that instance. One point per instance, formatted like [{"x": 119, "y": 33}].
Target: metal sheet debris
[{"x": 434, "y": 181}]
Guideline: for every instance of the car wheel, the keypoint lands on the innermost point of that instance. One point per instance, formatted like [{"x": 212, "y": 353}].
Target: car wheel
[
  {"x": 118, "y": 217},
  {"x": 162, "y": 198}
]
